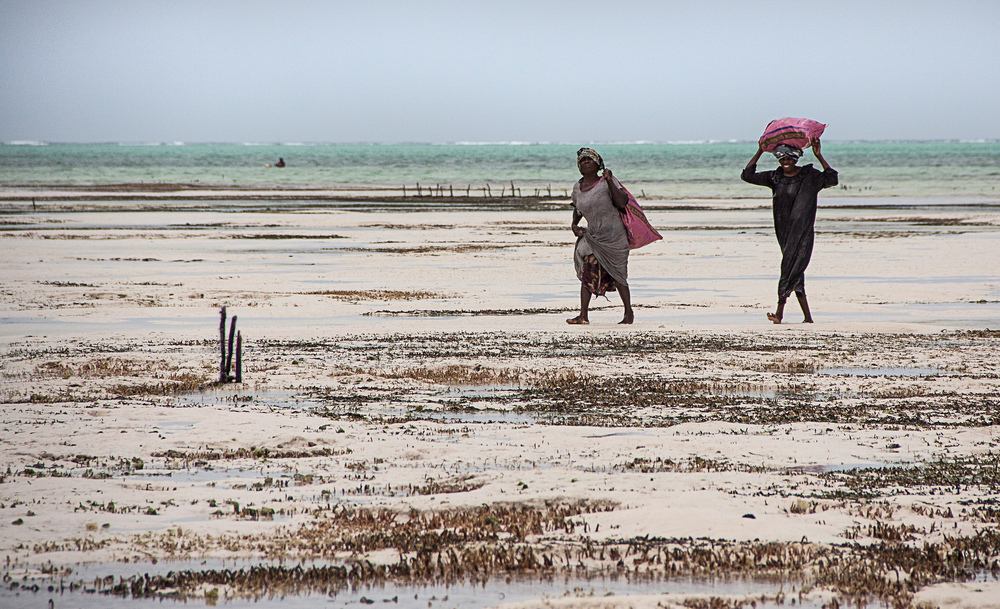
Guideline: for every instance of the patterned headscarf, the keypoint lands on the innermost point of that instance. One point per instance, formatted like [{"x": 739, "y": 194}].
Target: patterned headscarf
[
  {"x": 783, "y": 150},
  {"x": 589, "y": 153}
]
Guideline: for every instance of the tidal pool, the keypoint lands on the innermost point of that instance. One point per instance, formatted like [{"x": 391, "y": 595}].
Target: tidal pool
[
  {"x": 882, "y": 371},
  {"x": 33, "y": 592}
]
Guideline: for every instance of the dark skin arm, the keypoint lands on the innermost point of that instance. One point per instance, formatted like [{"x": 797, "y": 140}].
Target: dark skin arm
[
  {"x": 756, "y": 157},
  {"x": 818, "y": 154},
  {"x": 577, "y": 229},
  {"x": 618, "y": 197}
]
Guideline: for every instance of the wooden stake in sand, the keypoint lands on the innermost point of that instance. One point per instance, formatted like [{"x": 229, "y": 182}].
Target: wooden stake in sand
[
  {"x": 226, "y": 364},
  {"x": 222, "y": 345},
  {"x": 229, "y": 355},
  {"x": 239, "y": 357}
]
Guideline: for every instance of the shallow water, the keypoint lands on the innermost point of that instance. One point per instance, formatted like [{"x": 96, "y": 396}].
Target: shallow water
[
  {"x": 881, "y": 371},
  {"x": 670, "y": 284},
  {"x": 434, "y": 596},
  {"x": 702, "y": 169}
]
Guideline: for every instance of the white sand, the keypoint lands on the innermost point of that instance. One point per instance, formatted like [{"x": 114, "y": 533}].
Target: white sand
[{"x": 109, "y": 289}]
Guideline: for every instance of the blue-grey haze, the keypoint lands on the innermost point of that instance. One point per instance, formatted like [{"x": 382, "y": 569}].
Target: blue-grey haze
[{"x": 532, "y": 71}]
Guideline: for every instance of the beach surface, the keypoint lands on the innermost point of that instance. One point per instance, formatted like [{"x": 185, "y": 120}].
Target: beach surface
[{"x": 413, "y": 407}]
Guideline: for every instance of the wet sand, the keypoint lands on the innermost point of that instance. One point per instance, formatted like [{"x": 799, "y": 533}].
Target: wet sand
[{"x": 402, "y": 364}]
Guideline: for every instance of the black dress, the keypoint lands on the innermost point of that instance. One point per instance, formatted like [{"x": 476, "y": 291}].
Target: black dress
[{"x": 794, "y": 206}]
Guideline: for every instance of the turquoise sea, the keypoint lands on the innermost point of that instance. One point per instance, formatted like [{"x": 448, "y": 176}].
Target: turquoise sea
[{"x": 681, "y": 170}]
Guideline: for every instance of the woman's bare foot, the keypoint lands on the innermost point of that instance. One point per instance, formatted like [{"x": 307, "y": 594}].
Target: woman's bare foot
[
  {"x": 629, "y": 318},
  {"x": 578, "y": 320},
  {"x": 774, "y": 318}
]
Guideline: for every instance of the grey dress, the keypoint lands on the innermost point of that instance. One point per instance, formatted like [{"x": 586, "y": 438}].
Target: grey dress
[{"x": 605, "y": 237}]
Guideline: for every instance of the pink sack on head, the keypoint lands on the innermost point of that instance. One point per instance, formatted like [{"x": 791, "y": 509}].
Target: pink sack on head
[{"x": 796, "y": 132}]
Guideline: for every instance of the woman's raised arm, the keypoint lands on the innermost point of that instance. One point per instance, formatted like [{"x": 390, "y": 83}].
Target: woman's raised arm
[
  {"x": 819, "y": 155},
  {"x": 756, "y": 157},
  {"x": 618, "y": 196}
]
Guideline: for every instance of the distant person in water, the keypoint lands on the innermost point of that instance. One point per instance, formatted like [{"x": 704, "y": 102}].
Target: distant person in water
[
  {"x": 794, "y": 191},
  {"x": 280, "y": 163},
  {"x": 601, "y": 253}
]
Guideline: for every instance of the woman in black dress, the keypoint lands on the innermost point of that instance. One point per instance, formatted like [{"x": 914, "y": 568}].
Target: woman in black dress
[{"x": 794, "y": 191}]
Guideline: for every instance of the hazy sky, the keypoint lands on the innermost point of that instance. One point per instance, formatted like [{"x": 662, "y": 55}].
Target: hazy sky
[{"x": 370, "y": 71}]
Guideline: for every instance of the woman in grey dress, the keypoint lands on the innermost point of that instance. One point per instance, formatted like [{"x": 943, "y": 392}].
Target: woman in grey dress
[{"x": 601, "y": 252}]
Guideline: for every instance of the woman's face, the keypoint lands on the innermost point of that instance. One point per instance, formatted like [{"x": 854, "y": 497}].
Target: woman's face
[
  {"x": 588, "y": 165},
  {"x": 787, "y": 161}
]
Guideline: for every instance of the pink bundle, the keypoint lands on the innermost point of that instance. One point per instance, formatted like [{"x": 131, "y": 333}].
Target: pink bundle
[
  {"x": 638, "y": 229},
  {"x": 796, "y": 132}
]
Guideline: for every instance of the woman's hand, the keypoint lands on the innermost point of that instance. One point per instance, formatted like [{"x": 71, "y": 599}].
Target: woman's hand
[
  {"x": 579, "y": 230},
  {"x": 757, "y": 155},
  {"x": 618, "y": 197},
  {"x": 818, "y": 153}
]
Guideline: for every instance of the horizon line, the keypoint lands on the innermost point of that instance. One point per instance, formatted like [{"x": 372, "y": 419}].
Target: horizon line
[{"x": 292, "y": 144}]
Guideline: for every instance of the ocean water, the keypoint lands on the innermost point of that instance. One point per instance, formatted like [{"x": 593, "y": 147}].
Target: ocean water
[{"x": 681, "y": 170}]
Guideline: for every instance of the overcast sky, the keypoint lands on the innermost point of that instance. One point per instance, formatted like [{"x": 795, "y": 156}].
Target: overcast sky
[{"x": 537, "y": 71}]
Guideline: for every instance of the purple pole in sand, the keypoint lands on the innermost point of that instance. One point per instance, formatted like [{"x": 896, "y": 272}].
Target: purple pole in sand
[{"x": 222, "y": 345}]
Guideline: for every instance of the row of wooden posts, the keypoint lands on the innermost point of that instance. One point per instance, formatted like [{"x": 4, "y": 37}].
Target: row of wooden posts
[
  {"x": 226, "y": 367},
  {"x": 439, "y": 190}
]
